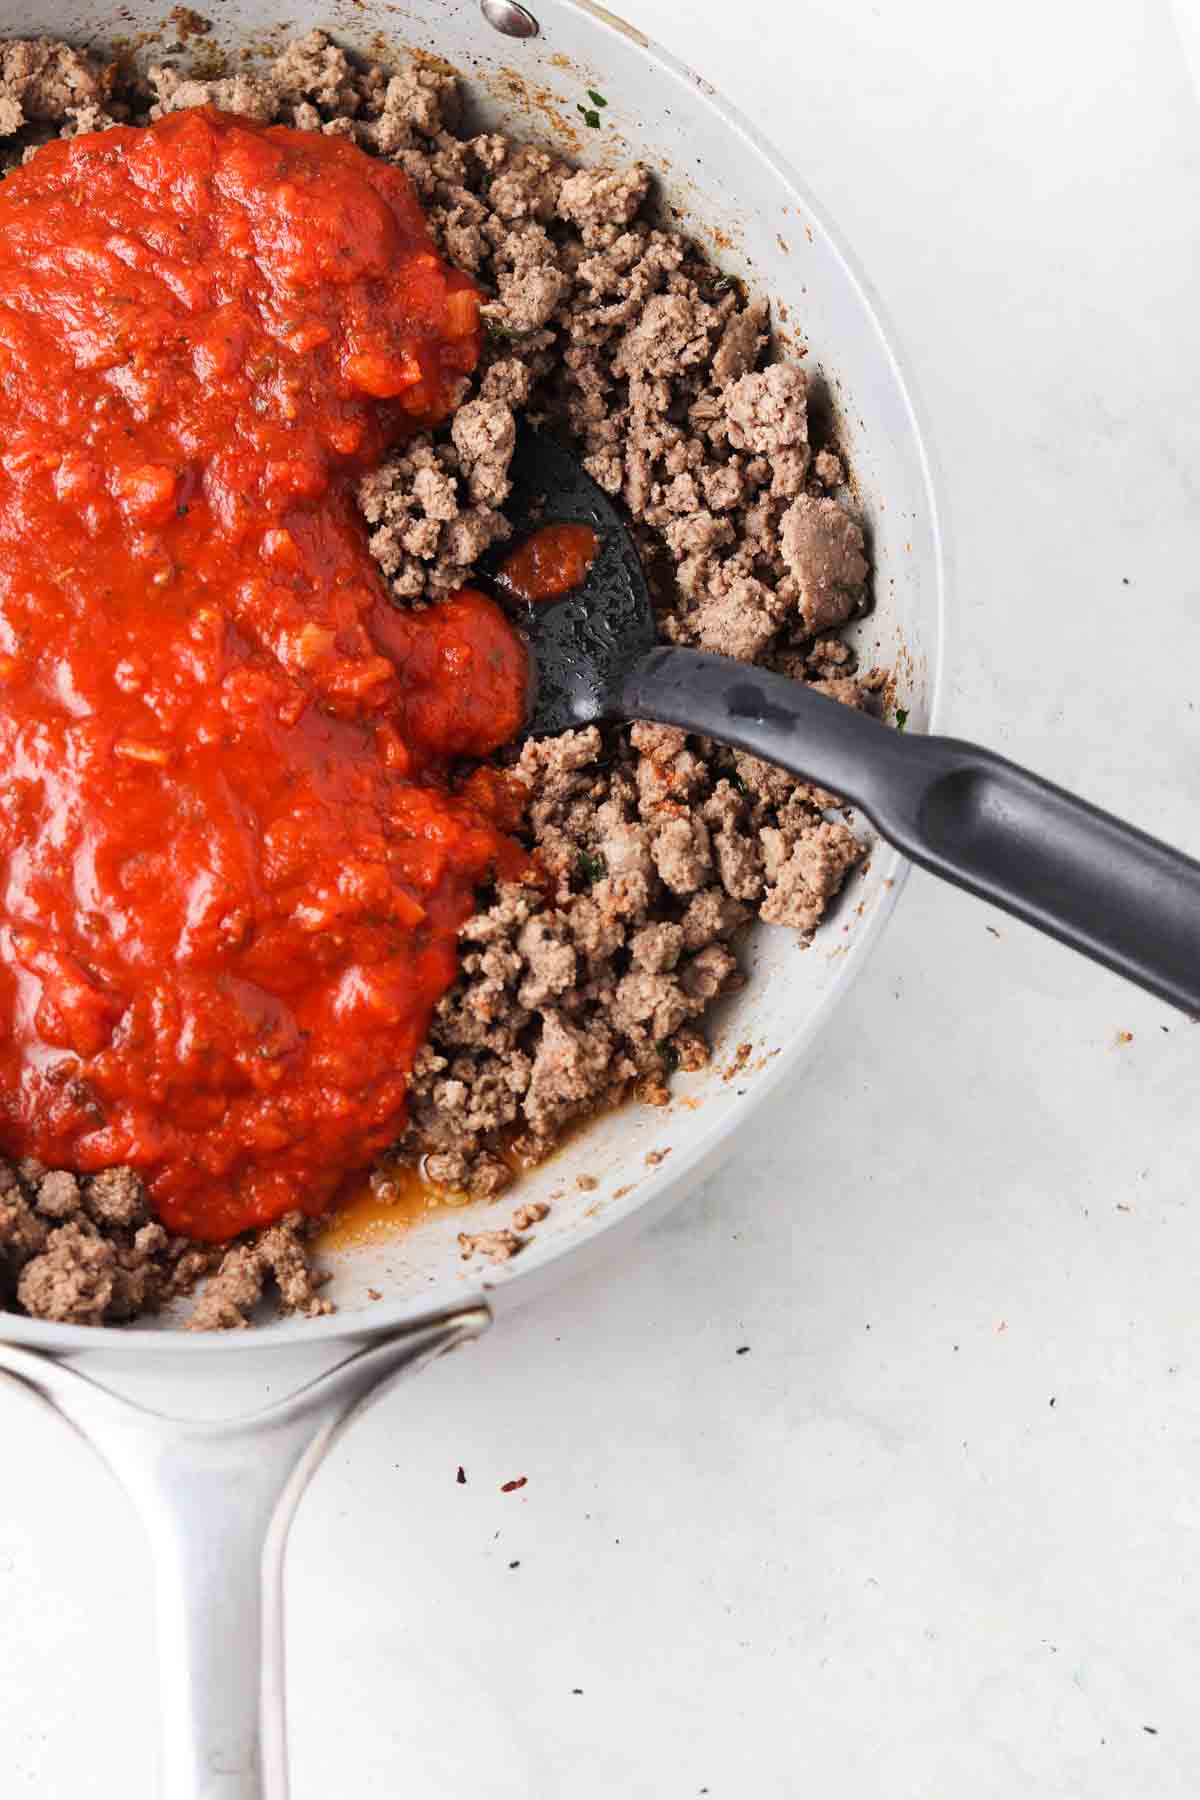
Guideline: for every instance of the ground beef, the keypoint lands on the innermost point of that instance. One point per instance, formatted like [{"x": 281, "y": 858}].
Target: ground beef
[
  {"x": 50, "y": 84},
  {"x": 767, "y": 410},
  {"x": 87, "y": 1250},
  {"x": 655, "y": 848},
  {"x": 823, "y": 549},
  {"x": 496, "y": 1246},
  {"x": 276, "y": 1255}
]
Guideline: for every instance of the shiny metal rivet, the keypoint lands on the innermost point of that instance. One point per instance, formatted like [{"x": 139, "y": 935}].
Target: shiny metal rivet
[{"x": 507, "y": 17}]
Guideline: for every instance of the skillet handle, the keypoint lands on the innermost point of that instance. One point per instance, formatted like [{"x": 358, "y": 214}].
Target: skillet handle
[{"x": 216, "y": 1500}]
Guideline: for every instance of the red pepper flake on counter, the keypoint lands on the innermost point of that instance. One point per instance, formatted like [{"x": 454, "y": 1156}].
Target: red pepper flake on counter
[
  {"x": 234, "y": 863},
  {"x": 510, "y": 1487}
]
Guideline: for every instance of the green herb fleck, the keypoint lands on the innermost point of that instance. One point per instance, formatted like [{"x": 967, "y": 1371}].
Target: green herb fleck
[
  {"x": 590, "y": 116},
  {"x": 736, "y": 781},
  {"x": 591, "y": 866},
  {"x": 499, "y": 333},
  {"x": 669, "y": 1055},
  {"x": 595, "y": 98},
  {"x": 901, "y": 718},
  {"x": 722, "y": 284}
]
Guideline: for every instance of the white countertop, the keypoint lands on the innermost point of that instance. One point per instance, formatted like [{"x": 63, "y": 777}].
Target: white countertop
[{"x": 937, "y": 1531}]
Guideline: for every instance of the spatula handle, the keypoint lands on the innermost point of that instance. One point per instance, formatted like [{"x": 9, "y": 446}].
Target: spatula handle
[{"x": 1088, "y": 879}]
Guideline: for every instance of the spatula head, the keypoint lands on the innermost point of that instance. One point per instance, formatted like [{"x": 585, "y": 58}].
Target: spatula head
[{"x": 583, "y": 644}]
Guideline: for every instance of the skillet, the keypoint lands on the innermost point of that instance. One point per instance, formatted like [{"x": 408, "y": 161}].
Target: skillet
[{"x": 216, "y": 1493}]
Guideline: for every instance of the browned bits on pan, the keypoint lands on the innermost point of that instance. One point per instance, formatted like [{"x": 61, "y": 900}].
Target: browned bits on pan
[{"x": 496, "y": 1246}]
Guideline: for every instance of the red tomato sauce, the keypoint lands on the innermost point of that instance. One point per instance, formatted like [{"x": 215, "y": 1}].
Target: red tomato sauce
[
  {"x": 231, "y": 865},
  {"x": 550, "y": 563}
]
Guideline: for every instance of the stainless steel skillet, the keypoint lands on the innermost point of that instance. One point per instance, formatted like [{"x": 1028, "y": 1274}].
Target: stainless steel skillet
[{"x": 216, "y": 1498}]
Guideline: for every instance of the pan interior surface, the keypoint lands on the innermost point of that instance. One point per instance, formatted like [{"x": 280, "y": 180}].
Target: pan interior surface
[{"x": 720, "y": 183}]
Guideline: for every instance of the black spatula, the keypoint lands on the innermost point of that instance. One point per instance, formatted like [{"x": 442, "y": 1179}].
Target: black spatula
[{"x": 1099, "y": 885}]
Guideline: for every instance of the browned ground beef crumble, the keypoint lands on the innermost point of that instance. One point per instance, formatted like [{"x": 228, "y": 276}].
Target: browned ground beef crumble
[{"x": 659, "y": 846}]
